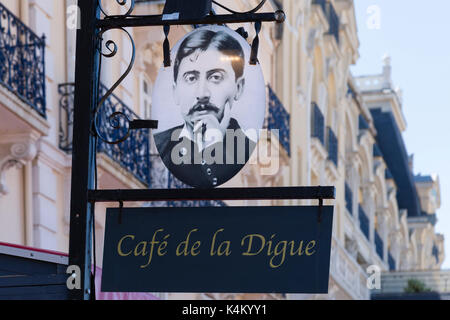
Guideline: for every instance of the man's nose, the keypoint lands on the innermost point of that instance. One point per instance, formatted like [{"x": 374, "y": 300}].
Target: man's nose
[{"x": 203, "y": 90}]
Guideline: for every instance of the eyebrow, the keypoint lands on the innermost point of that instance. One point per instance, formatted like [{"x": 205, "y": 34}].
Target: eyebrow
[
  {"x": 191, "y": 72},
  {"x": 210, "y": 72}
]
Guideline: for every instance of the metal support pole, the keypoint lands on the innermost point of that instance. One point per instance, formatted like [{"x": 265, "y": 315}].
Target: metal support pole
[{"x": 86, "y": 73}]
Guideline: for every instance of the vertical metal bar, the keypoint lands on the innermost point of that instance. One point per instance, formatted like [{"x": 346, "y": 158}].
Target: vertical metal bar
[
  {"x": 86, "y": 73},
  {"x": 44, "y": 91}
]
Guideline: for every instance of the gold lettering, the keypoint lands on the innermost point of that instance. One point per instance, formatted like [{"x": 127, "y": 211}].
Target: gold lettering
[
  {"x": 277, "y": 253},
  {"x": 298, "y": 251},
  {"x": 163, "y": 246},
  {"x": 250, "y": 242},
  {"x": 142, "y": 251},
  {"x": 309, "y": 246},
  {"x": 221, "y": 251},
  {"x": 152, "y": 245},
  {"x": 212, "y": 252},
  {"x": 195, "y": 247},
  {"x": 119, "y": 246},
  {"x": 184, "y": 244},
  {"x": 269, "y": 246}
]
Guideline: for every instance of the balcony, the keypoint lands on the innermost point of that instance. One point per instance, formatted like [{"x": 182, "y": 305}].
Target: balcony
[
  {"x": 22, "y": 61},
  {"x": 132, "y": 154},
  {"x": 379, "y": 245},
  {"x": 363, "y": 221},
  {"x": 333, "y": 20},
  {"x": 349, "y": 199},
  {"x": 279, "y": 119},
  {"x": 331, "y": 16},
  {"x": 317, "y": 123},
  {"x": 438, "y": 281},
  {"x": 332, "y": 146},
  {"x": 347, "y": 272}
]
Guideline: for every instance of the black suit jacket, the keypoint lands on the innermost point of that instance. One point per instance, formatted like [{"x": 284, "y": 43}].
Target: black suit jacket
[{"x": 205, "y": 174}]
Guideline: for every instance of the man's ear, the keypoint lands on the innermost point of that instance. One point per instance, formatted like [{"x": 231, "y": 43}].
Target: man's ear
[
  {"x": 240, "y": 83},
  {"x": 175, "y": 94}
]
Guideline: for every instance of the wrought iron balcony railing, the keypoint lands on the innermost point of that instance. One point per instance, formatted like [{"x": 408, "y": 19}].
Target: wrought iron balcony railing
[
  {"x": 317, "y": 123},
  {"x": 22, "y": 61},
  {"x": 161, "y": 178},
  {"x": 391, "y": 261},
  {"x": 332, "y": 146},
  {"x": 349, "y": 198},
  {"x": 379, "y": 245},
  {"x": 363, "y": 221},
  {"x": 174, "y": 183},
  {"x": 132, "y": 154},
  {"x": 279, "y": 119}
]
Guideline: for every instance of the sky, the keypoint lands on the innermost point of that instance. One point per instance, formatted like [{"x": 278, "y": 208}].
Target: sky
[{"x": 414, "y": 33}]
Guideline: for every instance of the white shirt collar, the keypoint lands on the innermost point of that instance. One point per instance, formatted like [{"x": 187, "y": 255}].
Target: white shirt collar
[{"x": 186, "y": 132}]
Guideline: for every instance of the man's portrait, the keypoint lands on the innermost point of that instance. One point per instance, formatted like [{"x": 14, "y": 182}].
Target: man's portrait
[{"x": 208, "y": 81}]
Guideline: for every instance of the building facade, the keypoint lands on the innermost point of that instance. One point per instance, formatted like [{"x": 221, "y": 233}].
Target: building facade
[{"x": 333, "y": 129}]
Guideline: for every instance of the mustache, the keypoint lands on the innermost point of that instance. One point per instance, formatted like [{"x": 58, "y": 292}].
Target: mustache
[{"x": 201, "y": 106}]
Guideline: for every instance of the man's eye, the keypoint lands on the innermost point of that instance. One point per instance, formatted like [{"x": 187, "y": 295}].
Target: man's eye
[
  {"x": 190, "y": 78},
  {"x": 216, "y": 77}
]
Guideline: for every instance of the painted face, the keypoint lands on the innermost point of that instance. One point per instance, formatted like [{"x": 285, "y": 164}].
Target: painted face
[{"x": 206, "y": 83}]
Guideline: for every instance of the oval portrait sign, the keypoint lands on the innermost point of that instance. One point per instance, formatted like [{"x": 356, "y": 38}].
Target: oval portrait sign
[{"x": 210, "y": 104}]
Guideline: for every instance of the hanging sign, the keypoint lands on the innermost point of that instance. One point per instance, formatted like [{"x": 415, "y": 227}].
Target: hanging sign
[
  {"x": 218, "y": 249},
  {"x": 210, "y": 103}
]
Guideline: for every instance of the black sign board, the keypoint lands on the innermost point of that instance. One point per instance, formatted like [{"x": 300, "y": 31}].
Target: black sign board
[{"x": 218, "y": 249}]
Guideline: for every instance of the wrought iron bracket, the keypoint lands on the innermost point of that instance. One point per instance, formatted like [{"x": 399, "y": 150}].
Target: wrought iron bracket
[
  {"x": 118, "y": 120},
  {"x": 162, "y": 20},
  {"x": 143, "y": 124},
  {"x": 266, "y": 193}
]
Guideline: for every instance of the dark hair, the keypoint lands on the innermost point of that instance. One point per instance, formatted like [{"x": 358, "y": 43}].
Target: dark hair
[{"x": 203, "y": 40}]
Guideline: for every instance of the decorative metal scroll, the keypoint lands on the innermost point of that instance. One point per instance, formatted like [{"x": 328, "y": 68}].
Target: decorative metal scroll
[
  {"x": 121, "y": 3},
  {"x": 133, "y": 153},
  {"x": 117, "y": 121}
]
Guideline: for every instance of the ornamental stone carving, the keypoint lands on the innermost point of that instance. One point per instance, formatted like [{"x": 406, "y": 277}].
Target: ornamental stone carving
[{"x": 14, "y": 154}]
